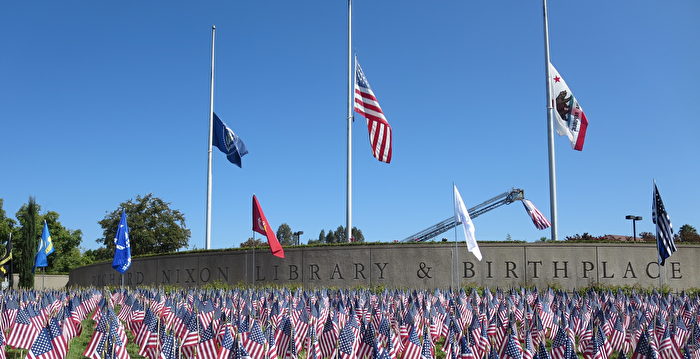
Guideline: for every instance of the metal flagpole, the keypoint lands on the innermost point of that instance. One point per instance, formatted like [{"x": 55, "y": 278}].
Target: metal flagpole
[
  {"x": 550, "y": 129},
  {"x": 456, "y": 248},
  {"x": 348, "y": 198},
  {"x": 211, "y": 128}
]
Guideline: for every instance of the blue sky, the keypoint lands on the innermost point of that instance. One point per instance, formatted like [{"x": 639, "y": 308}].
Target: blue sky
[{"x": 101, "y": 101}]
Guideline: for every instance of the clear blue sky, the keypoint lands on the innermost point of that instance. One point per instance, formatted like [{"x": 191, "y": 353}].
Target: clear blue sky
[{"x": 101, "y": 101}]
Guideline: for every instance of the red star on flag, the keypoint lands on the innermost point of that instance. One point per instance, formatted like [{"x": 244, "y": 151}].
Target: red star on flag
[{"x": 557, "y": 78}]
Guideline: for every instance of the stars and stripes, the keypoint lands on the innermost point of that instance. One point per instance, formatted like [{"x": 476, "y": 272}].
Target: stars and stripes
[
  {"x": 540, "y": 221},
  {"x": 664, "y": 229},
  {"x": 42, "y": 348},
  {"x": 378, "y": 127}
]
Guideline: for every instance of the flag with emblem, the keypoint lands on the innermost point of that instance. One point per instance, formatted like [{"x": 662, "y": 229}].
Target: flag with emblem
[
  {"x": 262, "y": 226},
  {"x": 664, "y": 229},
  {"x": 569, "y": 118},
  {"x": 366, "y": 104},
  {"x": 228, "y": 142},
  {"x": 45, "y": 248},
  {"x": 122, "y": 251}
]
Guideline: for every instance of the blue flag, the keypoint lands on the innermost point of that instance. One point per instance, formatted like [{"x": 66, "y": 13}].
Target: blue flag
[
  {"x": 122, "y": 252},
  {"x": 45, "y": 248},
  {"x": 228, "y": 142}
]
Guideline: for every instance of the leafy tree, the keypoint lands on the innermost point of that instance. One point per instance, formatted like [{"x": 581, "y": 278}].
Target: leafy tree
[
  {"x": 688, "y": 233},
  {"x": 543, "y": 239},
  {"x": 66, "y": 243},
  {"x": 153, "y": 227},
  {"x": 357, "y": 235},
  {"x": 252, "y": 242},
  {"x": 340, "y": 235},
  {"x": 284, "y": 235},
  {"x": 99, "y": 254},
  {"x": 28, "y": 242},
  {"x": 330, "y": 237}
]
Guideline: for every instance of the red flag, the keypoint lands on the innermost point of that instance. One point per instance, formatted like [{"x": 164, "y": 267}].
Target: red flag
[{"x": 261, "y": 226}]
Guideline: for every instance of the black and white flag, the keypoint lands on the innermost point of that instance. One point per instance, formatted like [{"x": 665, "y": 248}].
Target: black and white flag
[{"x": 664, "y": 229}]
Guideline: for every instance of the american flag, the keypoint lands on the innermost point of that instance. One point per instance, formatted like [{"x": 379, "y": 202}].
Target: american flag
[
  {"x": 254, "y": 343},
  {"x": 664, "y": 229},
  {"x": 169, "y": 350},
  {"x": 227, "y": 346},
  {"x": 412, "y": 349},
  {"x": 668, "y": 347},
  {"x": 313, "y": 348},
  {"x": 540, "y": 221},
  {"x": 464, "y": 351},
  {"x": 330, "y": 335},
  {"x": 42, "y": 348},
  {"x": 206, "y": 349},
  {"x": 369, "y": 341},
  {"x": 511, "y": 348},
  {"x": 97, "y": 342},
  {"x": 645, "y": 350},
  {"x": 346, "y": 348},
  {"x": 283, "y": 336},
  {"x": 23, "y": 331},
  {"x": 59, "y": 342},
  {"x": 271, "y": 346},
  {"x": 427, "y": 348},
  {"x": 367, "y": 105},
  {"x": 542, "y": 352},
  {"x": 562, "y": 346}
]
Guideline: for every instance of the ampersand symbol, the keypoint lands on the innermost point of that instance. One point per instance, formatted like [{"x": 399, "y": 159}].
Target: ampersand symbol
[{"x": 423, "y": 271}]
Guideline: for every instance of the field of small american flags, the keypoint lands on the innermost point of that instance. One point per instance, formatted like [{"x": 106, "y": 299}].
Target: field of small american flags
[{"x": 347, "y": 324}]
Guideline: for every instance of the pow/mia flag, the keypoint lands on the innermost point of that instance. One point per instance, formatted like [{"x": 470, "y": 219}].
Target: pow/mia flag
[{"x": 569, "y": 118}]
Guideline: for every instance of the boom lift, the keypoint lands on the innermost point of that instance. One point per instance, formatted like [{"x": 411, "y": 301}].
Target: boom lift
[{"x": 508, "y": 197}]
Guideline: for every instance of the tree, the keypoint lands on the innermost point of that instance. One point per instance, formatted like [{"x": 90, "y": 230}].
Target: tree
[
  {"x": 252, "y": 242},
  {"x": 29, "y": 241},
  {"x": 509, "y": 237},
  {"x": 153, "y": 227},
  {"x": 330, "y": 237},
  {"x": 322, "y": 236},
  {"x": 543, "y": 239},
  {"x": 357, "y": 235},
  {"x": 284, "y": 235},
  {"x": 688, "y": 233},
  {"x": 7, "y": 229},
  {"x": 340, "y": 235}
]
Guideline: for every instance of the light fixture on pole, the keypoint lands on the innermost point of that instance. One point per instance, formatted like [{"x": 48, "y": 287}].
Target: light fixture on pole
[{"x": 634, "y": 220}]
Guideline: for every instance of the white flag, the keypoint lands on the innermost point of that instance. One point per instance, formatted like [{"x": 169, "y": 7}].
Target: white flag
[
  {"x": 462, "y": 216},
  {"x": 569, "y": 118}
]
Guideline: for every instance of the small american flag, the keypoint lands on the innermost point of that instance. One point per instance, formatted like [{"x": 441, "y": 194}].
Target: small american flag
[
  {"x": 23, "y": 331},
  {"x": 347, "y": 343},
  {"x": 540, "y": 221},
  {"x": 206, "y": 349},
  {"x": 367, "y": 105},
  {"x": 42, "y": 348},
  {"x": 664, "y": 229}
]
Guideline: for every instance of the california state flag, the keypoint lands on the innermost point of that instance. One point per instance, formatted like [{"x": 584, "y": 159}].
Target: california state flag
[
  {"x": 569, "y": 118},
  {"x": 261, "y": 226}
]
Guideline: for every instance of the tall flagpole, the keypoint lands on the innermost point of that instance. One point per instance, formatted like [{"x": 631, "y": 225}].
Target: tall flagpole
[
  {"x": 550, "y": 129},
  {"x": 348, "y": 198},
  {"x": 211, "y": 129}
]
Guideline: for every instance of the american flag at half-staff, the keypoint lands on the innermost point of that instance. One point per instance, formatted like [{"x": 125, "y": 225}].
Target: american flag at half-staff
[{"x": 378, "y": 127}]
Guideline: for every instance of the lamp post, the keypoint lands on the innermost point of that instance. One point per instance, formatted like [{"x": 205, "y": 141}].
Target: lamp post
[
  {"x": 634, "y": 220},
  {"x": 298, "y": 234}
]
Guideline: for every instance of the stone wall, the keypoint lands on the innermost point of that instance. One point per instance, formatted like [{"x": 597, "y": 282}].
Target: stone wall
[{"x": 436, "y": 265}]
